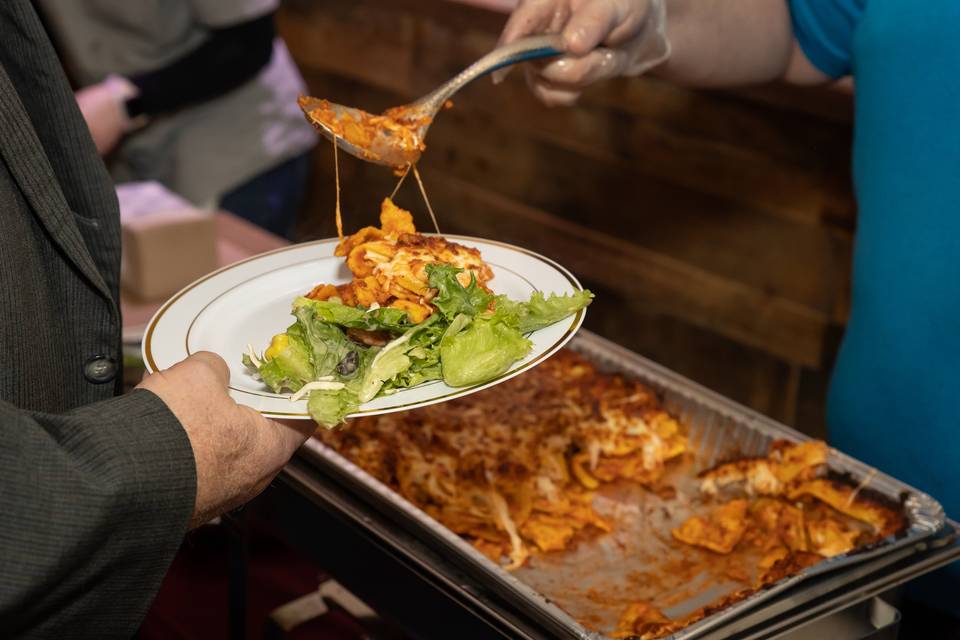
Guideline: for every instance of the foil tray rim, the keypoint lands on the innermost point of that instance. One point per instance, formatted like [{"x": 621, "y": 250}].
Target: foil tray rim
[{"x": 925, "y": 515}]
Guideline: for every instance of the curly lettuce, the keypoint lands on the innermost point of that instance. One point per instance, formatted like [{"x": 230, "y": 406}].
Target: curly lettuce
[{"x": 472, "y": 338}]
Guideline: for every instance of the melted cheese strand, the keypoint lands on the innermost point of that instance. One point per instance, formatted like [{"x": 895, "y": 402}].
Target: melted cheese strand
[
  {"x": 501, "y": 515},
  {"x": 336, "y": 173},
  {"x": 400, "y": 183},
  {"x": 321, "y": 385},
  {"x": 423, "y": 192},
  {"x": 866, "y": 480}
]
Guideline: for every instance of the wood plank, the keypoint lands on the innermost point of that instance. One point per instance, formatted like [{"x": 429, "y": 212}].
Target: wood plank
[
  {"x": 796, "y": 261},
  {"x": 745, "y": 374},
  {"x": 653, "y": 146},
  {"x": 722, "y": 115},
  {"x": 833, "y": 102},
  {"x": 779, "y": 326},
  {"x": 355, "y": 39},
  {"x": 735, "y": 138}
]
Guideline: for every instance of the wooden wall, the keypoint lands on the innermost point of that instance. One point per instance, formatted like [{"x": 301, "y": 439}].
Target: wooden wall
[{"x": 715, "y": 227}]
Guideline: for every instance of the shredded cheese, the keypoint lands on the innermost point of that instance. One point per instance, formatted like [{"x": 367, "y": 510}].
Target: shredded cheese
[
  {"x": 319, "y": 385},
  {"x": 594, "y": 450},
  {"x": 548, "y": 489},
  {"x": 253, "y": 356},
  {"x": 866, "y": 480},
  {"x": 709, "y": 487},
  {"x": 387, "y": 347},
  {"x": 501, "y": 514}
]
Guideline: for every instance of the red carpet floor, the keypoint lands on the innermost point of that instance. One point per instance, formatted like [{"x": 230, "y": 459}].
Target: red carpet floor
[{"x": 193, "y": 601}]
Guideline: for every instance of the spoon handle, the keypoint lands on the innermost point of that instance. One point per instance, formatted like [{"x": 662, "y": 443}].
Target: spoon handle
[{"x": 531, "y": 48}]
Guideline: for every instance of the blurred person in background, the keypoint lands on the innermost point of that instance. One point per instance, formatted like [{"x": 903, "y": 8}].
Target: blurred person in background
[
  {"x": 200, "y": 95},
  {"x": 893, "y": 393}
]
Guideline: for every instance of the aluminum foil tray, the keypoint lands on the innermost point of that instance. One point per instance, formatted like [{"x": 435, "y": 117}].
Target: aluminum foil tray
[{"x": 596, "y": 581}]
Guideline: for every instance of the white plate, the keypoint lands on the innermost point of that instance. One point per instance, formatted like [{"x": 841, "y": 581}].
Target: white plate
[{"x": 248, "y": 302}]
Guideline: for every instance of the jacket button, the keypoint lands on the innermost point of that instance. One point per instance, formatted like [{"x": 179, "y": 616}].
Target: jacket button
[{"x": 100, "y": 369}]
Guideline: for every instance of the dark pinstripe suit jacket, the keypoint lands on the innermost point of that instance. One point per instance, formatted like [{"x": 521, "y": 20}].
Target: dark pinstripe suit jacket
[{"x": 95, "y": 490}]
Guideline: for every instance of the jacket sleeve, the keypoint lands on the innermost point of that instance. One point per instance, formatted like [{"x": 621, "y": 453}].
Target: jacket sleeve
[
  {"x": 93, "y": 506},
  {"x": 230, "y": 57}
]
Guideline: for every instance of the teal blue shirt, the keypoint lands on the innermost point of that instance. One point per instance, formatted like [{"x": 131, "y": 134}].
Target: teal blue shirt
[{"x": 894, "y": 398}]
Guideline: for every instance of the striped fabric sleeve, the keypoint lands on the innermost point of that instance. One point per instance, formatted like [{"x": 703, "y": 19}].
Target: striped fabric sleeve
[
  {"x": 825, "y": 30},
  {"x": 94, "y": 504}
]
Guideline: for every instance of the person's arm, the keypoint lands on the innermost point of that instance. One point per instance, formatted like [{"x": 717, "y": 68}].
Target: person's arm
[
  {"x": 712, "y": 42},
  {"x": 230, "y": 56},
  {"x": 719, "y": 43},
  {"x": 94, "y": 502}
]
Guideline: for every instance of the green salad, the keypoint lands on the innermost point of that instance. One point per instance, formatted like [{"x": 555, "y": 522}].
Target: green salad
[{"x": 471, "y": 338}]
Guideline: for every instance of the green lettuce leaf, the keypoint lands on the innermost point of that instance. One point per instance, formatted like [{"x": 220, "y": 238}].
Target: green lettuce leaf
[
  {"x": 330, "y": 407},
  {"x": 290, "y": 369},
  {"x": 479, "y": 349},
  {"x": 382, "y": 319},
  {"x": 410, "y": 359},
  {"x": 540, "y": 311},
  {"x": 329, "y": 345},
  {"x": 391, "y": 361},
  {"x": 424, "y": 354},
  {"x": 452, "y": 297},
  {"x": 416, "y": 374}
]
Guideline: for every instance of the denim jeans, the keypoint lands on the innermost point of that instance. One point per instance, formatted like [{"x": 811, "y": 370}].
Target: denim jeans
[{"x": 272, "y": 199}]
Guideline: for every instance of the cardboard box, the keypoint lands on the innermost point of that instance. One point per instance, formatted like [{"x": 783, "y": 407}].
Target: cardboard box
[
  {"x": 164, "y": 251},
  {"x": 167, "y": 241}
]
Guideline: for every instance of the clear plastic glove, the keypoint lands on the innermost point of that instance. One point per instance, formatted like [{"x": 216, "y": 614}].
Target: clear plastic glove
[
  {"x": 603, "y": 39},
  {"x": 103, "y": 108}
]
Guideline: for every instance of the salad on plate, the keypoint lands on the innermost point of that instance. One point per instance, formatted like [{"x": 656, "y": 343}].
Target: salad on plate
[{"x": 418, "y": 309}]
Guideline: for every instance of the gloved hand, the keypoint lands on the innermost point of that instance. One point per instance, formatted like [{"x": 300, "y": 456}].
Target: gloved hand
[
  {"x": 603, "y": 39},
  {"x": 103, "y": 108}
]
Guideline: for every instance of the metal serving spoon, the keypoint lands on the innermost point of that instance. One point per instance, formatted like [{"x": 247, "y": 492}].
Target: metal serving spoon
[{"x": 395, "y": 138}]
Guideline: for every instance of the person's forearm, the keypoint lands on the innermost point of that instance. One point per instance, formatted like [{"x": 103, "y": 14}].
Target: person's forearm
[
  {"x": 229, "y": 58},
  {"x": 718, "y": 43},
  {"x": 712, "y": 43}
]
